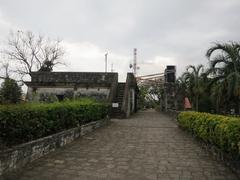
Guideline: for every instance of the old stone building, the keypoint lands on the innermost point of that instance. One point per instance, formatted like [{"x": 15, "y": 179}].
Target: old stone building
[{"x": 104, "y": 87}]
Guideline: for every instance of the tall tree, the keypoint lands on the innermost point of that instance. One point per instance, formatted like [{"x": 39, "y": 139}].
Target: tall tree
[
  {"x": 180, "y": 89},
  {"x": 225, "y": 70},
  {"x": 192, "y": 78},
  {"x": 32, "y": 52}
]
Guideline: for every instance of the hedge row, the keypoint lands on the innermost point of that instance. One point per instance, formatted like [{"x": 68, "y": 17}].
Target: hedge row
[
  {"x": 221, "y": 131},
  {"x": 23, "y": 123}
]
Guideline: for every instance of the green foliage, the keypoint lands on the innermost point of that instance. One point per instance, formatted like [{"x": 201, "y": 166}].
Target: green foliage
[
  {"x": 23, "y": 123},
  {"x": 10, "y": 92},
  {"x": 69, "y": 95},
  {"x": 149, "y": 95},
  {"x": 192, "y": 78},
  {"x": 205, "y": 104},
  {"x": 221, "y": 131},
  {"x": 47, "y": 98},
  {"x": 225, "y": 72},
  {"x": 142, "y": 100},
  {"x": 47, "y": 66},
  {"x": 218, "y": 88}
]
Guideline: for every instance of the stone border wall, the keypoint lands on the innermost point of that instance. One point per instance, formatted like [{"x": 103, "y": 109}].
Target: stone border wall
[
  {"x": 18, "y": 156},
  {"x": 217, "y": 154}
]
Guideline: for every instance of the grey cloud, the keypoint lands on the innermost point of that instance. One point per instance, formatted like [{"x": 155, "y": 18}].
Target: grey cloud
[{"x": 178, "y": 29}]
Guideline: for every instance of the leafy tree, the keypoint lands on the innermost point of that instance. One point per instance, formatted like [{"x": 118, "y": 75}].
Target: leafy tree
[
  {"x": 225, "y": 72},
  {"x": 150, "y": 93},
  {"x": 10, "y": 92},
  {"x": 142, "y": 101}
]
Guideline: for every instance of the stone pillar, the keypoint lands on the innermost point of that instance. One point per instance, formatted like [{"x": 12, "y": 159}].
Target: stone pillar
[
  {"x": 129, "y": 104},
  {"x": 133, "y": 100},
  {"x": 169, "y": 96}
]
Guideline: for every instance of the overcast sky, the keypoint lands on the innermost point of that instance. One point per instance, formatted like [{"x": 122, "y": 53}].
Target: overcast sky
[{"x": 165, "y": 32}]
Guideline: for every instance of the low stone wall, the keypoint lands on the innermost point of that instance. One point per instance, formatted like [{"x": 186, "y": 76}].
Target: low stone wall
[
  {"x": 18, "y": 156},
  {"x": 234, "y": 165},
  {"x": 218, "y": 154}
]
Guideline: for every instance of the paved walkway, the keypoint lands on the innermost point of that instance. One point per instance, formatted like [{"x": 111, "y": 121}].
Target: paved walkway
[{"x": 148, "y": 146}]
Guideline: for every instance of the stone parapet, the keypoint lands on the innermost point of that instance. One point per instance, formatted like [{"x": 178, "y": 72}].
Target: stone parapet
[
  {"x": 73, "y": 77},
  {"x": 18, "y": 156}
]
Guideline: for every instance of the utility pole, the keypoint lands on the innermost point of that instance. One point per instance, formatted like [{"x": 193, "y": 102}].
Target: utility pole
[
  {"x": 112, "y": 67},
  {"x": 134, "y": 65},
  {"x": 135, "y": 61},
  {"x": 106, "y": 62}
]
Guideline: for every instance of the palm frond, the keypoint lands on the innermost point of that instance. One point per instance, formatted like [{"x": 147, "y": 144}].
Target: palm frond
[
  {"x": 217, "y": 60},
  {"x": 224, "y": 47}
]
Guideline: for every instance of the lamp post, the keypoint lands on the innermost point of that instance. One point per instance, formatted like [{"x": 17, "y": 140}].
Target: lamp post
[{"x": 106, "y": 62}]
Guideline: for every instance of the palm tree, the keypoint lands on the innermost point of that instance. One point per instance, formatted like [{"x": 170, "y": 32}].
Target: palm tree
[
  {"x": 225, "y": 69},
  {"x": 192, "y": 78},
  {"x": 180, "y": 87},
  {"x": 217, "y": 91}
]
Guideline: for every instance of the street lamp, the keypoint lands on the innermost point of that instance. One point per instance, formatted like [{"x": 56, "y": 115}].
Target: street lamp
[{"x": 106, "y": 62}]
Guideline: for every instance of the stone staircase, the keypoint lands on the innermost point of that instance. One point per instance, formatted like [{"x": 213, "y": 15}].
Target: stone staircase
[{"x": 116, "y": 112}]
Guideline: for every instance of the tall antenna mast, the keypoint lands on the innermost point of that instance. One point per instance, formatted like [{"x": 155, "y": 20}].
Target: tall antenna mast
[{"x": 135, "y": 61}]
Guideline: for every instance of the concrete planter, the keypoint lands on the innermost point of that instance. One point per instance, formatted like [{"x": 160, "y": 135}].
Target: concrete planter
[{"x": 19, "y": 156}]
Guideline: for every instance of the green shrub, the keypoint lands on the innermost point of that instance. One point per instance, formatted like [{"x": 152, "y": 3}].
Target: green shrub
[
  {"x": 10, "y": 92},
  {"x": 26, "y": 122},
  {"x": 47, "y": 98},
  {"x": 221, "y": 131}
]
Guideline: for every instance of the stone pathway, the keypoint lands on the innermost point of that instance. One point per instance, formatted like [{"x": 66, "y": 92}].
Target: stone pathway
[{"x": 148, "y": 146}]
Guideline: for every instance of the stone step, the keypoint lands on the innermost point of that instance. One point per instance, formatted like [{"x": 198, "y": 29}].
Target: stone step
[{"x": 120, "y": 95}]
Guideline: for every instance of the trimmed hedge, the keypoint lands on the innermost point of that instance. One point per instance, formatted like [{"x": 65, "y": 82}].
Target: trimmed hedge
[
  {"x": 218, "y": 130},
  {"x": 23, "y": 123}
]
